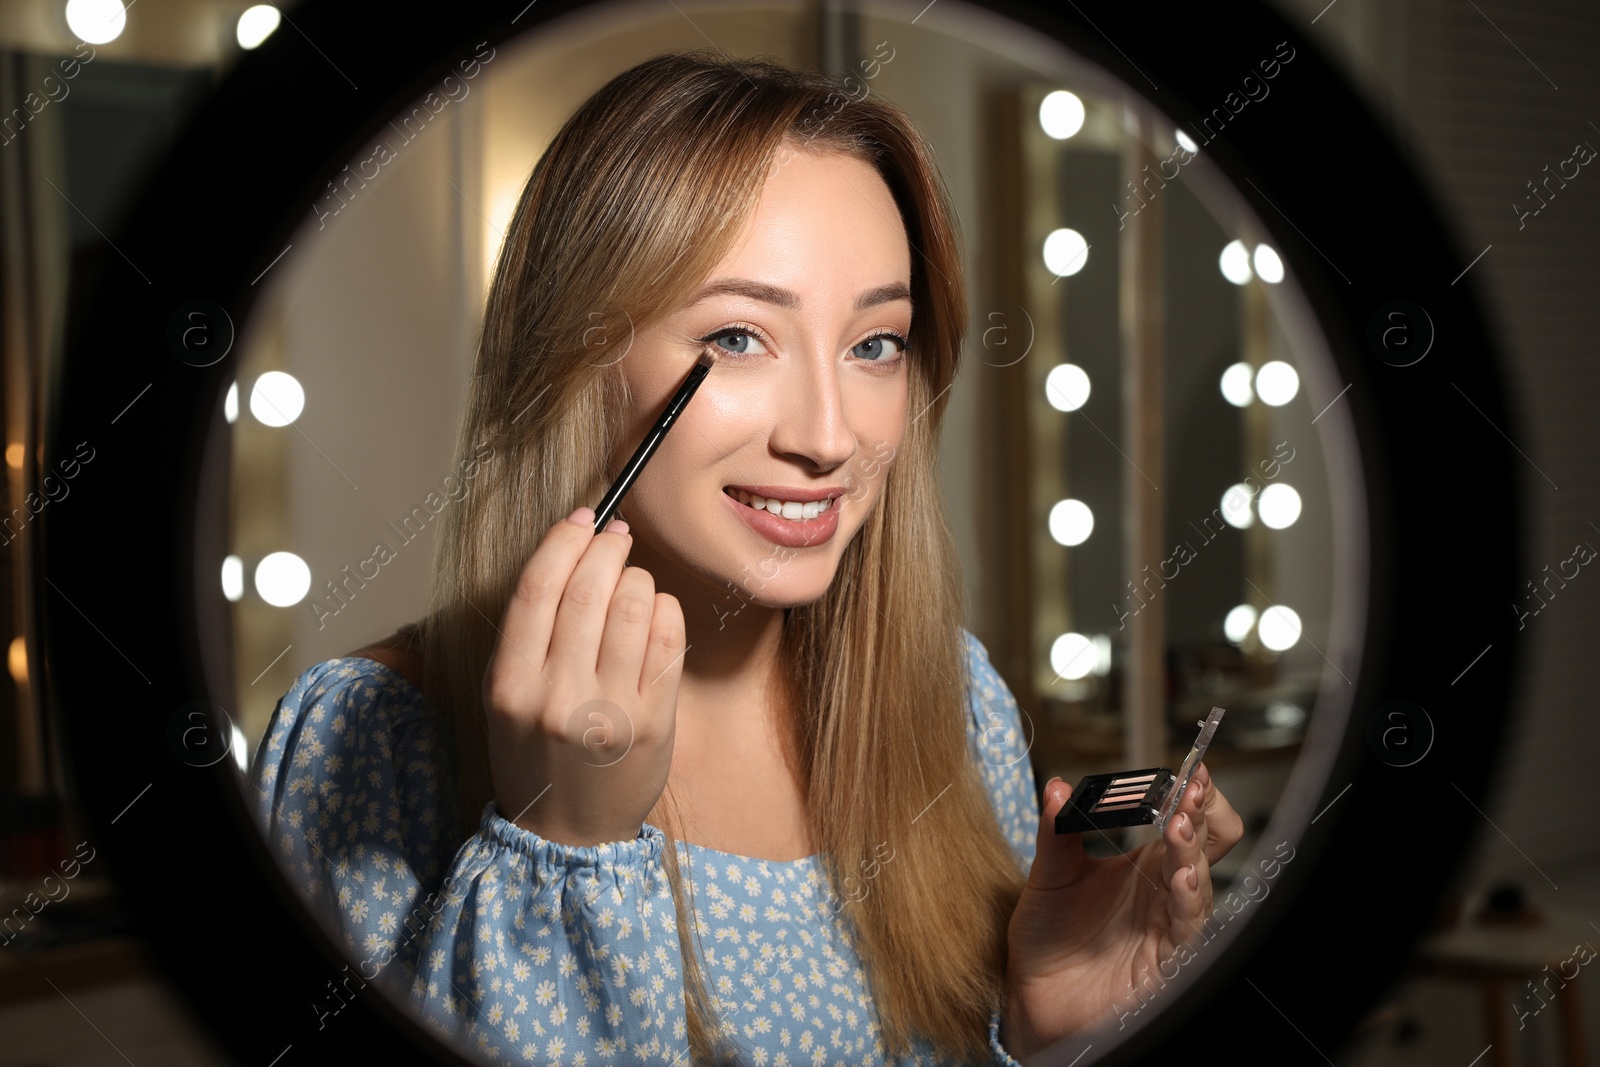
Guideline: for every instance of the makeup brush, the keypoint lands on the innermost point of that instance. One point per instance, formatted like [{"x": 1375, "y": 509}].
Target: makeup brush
[{"x": 641, "y": 455}]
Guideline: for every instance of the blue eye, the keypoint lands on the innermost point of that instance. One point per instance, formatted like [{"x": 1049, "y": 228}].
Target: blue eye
[
  {"x": 874, "y": 348},
  {"x": 734, "y": 333}
]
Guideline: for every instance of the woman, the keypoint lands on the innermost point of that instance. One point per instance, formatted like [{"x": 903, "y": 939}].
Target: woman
[{"x": 756, "y": 797}]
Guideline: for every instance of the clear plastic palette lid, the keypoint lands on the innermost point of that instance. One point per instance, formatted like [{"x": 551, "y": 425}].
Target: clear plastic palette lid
[{"x": 1190, "y": 763}]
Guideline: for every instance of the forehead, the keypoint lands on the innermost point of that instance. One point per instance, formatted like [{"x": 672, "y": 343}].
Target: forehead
[{"x": 824, "y": 220}]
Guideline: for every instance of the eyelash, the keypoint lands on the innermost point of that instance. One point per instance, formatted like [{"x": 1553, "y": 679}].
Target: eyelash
[{"x": 739, "y": 328}]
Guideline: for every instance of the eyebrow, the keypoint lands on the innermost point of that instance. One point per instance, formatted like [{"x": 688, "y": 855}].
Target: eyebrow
[{"x": 788, "y": 299}]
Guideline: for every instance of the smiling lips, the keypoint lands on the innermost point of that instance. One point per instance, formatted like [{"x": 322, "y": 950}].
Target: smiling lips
[
  {"x": 796, "y": 518},
  {"x": 792, "y": 504}
]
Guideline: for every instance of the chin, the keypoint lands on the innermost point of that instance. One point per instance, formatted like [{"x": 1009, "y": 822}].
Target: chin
[{"x": 770, "y": 581}]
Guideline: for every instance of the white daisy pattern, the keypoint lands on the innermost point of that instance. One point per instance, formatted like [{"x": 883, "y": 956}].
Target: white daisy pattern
[{"x": 521, "y": 949}]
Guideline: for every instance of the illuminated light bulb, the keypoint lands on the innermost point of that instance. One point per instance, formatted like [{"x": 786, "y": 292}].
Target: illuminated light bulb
[
  {"x": 1061, "y": 114},
  {"x": 277, "y": 399},
  {"x": 283, "y": 579},
  {"x": 1284, "y": 714},
  {"x": 17, "y": 660},
  {"x": 1066, "y": 387},
  {"x": 233, "y": 577},
  {"x": 1236, "y": 388},
  {"x": 1235, "y": 262},
  {"x": 1236, "y": 626},
  {"x": 1102, "y": 652},
  {"x": 1072, "y": 656},
  {"x": 1279, "y": 627},
  {"x": 1236, "y": 506},
  {"x": 1071, "y": 522},
  {"x": 96, "y": 21},
  {"x": 1065, "y": 252},
  {"x": 1277, "y": 383},
  {"x": 1279, "y": 506},
  {"x": 1269, "y": 268},
  {"x": 256, "y": 25}
]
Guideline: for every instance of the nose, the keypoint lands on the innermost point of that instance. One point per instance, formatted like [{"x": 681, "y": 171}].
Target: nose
[{"x": 811, "y": 424}]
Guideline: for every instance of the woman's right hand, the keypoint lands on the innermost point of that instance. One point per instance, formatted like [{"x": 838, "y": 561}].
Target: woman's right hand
[{"x": 581, "y": 693}]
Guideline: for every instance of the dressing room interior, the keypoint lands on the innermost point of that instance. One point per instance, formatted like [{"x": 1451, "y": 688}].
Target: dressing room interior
[{"x": 1151, "y": 461}]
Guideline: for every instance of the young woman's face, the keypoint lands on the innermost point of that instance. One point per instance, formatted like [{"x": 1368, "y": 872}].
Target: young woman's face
[{"x": 808, "y": 313}]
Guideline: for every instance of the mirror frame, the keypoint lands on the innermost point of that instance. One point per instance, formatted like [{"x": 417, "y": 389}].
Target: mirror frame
[{"x": 125, "y": 643}]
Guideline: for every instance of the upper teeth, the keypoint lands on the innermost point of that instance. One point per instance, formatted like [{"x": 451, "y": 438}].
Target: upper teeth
[{"x": 788, "y": 509}]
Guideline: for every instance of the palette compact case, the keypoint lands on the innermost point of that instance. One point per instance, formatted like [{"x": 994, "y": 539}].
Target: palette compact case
[{"x": 1134, "y": 798}]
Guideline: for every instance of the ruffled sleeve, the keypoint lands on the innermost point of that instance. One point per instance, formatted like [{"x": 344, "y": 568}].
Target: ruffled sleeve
[
  {"x": 347, "y": 789},
  {"x": 551, "y": 950},
  {"x": 523, "y": 949}
]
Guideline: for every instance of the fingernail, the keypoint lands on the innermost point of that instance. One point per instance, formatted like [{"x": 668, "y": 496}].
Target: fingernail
[
  {"x": 1053, "y": 780},
  {"x": 1185, "y": 827},
  {"x": 584, "y": 516},
  {"x": 1193, "y": 878},
  {"x": 616, "y": 526}
]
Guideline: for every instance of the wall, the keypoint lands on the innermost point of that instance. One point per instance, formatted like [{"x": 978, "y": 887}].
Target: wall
[{"x": 1486, "y": 95}]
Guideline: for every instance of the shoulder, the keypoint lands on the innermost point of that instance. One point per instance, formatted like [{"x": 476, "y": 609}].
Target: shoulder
[
  {"x": 1002, "y": 737},
  {"x": 993, "y": 718},
  {"x": 343, "y": 704},
  {"x": 351, "y": 784},
  {"x": 400, "y": 652},
  {"x": 357, "y": 683}
]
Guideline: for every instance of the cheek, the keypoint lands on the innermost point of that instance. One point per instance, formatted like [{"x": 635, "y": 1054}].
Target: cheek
[
  {"x": 882, "y": 430},
  {"x": 711, "y": 421},
  {"x": 676, "y": 494},
  {"x": 731, "y": 408}
]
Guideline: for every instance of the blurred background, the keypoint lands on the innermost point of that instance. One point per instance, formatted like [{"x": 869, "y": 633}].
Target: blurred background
[{"x": 1146, "y": 462}]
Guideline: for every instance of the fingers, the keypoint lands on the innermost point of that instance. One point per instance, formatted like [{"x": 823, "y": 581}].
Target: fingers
[
  {"x": 664, "y": 648},
  {"x": 1186, "y": 867},
  {"x": 1224, "y": 827},
  {"x": 1185, "y": 834},
  {"x": 530, "y": 615},
  {"x": 1188, "y": 902},
  {"x": 586, "y": 600},
  {"x": 627, "y": 631},
  {"x": 1058, "y": 859}
]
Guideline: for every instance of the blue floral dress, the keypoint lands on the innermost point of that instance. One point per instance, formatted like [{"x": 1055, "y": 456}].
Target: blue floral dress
[{"x": 526, "y": 950}]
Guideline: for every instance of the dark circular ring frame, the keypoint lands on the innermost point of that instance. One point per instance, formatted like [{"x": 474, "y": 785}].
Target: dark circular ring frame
[{"x": 124, "y": 640}]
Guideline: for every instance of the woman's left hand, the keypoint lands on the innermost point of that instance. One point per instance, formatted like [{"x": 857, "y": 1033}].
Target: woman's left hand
[{"x": 1087, "y": 931}]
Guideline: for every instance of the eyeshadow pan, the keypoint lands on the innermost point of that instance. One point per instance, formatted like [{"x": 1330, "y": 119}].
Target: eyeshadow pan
[
  {"x": 1106, "y": 801},
  {"x": 1133, "y": 798}
]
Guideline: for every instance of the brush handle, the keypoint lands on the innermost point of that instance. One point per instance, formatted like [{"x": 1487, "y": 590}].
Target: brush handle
[{"x": 652, "y": 440}]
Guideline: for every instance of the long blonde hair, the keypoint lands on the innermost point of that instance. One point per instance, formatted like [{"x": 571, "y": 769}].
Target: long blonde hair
[{"x": 638, "y": 198}]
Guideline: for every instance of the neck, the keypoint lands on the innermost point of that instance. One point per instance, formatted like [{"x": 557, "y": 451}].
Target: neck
[
  {"x": 733, "y": 718},
  {"x": 730, "y": 664}
]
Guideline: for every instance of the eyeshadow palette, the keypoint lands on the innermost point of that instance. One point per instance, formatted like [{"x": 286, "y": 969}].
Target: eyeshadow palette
[
  {"x": 1105, "y": 801},
  {"x": 1134, "y": 798}
]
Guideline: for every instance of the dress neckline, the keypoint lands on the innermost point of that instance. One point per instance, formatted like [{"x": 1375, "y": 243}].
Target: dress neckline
[{"x": 420, "y": 696}]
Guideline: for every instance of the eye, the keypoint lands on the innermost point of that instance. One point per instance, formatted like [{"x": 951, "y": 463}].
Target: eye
[
  {"x": 873, "y": 349},
  {"x": 737, "y": 333}
]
